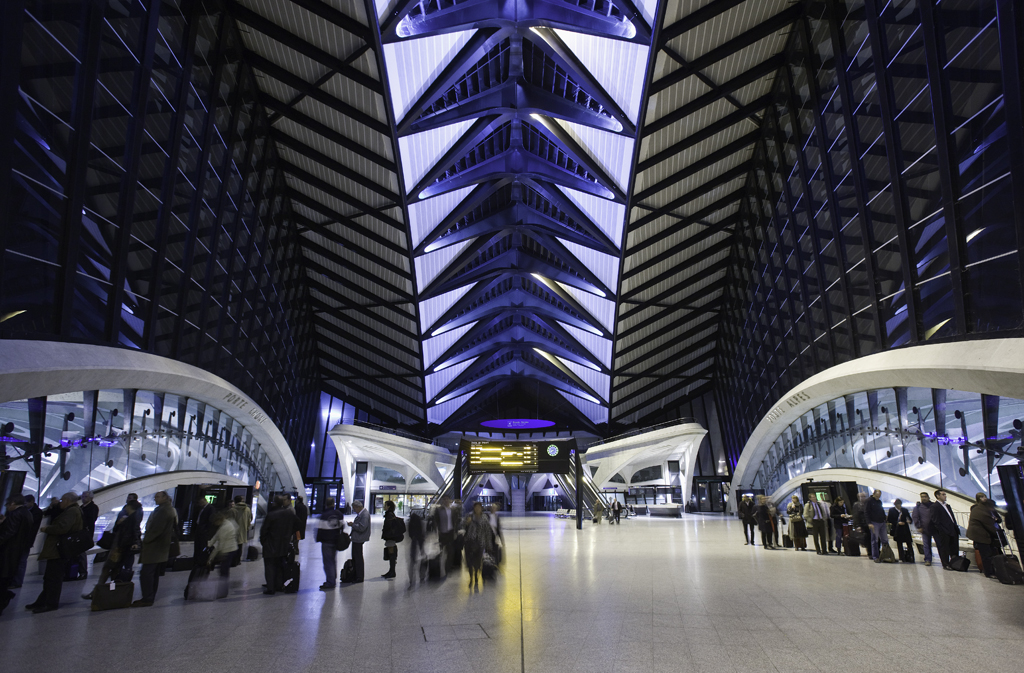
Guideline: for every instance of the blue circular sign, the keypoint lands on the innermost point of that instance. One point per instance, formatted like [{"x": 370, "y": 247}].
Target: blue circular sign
[
  {"x": 518, "y": 423},
  {"x": 552, "y": 450}
]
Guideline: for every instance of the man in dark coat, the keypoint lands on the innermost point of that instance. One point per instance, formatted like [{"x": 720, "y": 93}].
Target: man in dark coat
[
  {"x": 302, "y": 513},
  {"x": 161, "y": 531},
  {"x": 944, "y": 529},
  {"x": 126, "y": 537},
  {"x": 16, "y": 538},
  {"x": 68, "y": 519},
  {"x": 899, "y": 520},
  {"x": 746, "y": 514},
  {"x": 201, "y": 531},
  {"x": 37, "y": 521},
  {"x": 136, "y": 521},
  {"x": 90, "y": 512},
  {"x": 877, "y": 522},
  {"x": 276, "y": 536},
  {"x": 329, "y": 529},
  {"x": 763, "y": 516}
]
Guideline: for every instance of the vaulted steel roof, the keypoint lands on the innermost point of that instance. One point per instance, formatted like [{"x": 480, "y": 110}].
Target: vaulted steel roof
[{"x": 484, "y": 236}]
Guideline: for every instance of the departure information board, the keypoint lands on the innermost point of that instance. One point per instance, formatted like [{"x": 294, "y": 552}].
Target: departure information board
[
  {"x": 497, "y": 456},
  {"x": 503, "y": 457}
]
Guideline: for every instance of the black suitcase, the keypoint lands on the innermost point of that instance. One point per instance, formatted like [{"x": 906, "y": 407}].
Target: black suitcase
[
  {"x": 292, "y": 570},
  {"x": 960, "y": 564},
  {"x": 787, "y": 541},
  {"x": 182, "y": 563},
  {"x": 434, "y": 568},
  {"x": 908, "y": 554},
  {"x": 253, "y": 554},
  {"x": 1007, "y": 569},
  {"x": 105, "y": 597},
  {"x": 850, "y": 547}
]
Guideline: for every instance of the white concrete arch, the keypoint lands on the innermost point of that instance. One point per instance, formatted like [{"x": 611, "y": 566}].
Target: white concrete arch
[
  {"x": 40, "y": 368},
  {"x": 676, "y": 442},
  {"x": 990, "y": 366}
]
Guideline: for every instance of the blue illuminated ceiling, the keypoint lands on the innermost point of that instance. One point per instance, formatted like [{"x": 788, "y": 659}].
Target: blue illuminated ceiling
[
  {"x": 516, "y": 209},
  {"x": 516, "y": 126}
]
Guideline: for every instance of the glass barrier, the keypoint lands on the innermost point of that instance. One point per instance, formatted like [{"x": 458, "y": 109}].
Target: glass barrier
[
  {"x": 950, "y": 438},
  {"x": 91, "y": 439}
]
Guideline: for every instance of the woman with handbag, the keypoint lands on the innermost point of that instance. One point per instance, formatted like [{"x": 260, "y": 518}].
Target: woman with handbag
[
  {"x": 122, "y": 540},
  {"x": 392, "y": 533},
  {"x": 797, "y": 527}
]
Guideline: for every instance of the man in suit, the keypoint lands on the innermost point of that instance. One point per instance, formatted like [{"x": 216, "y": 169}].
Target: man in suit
[
  {"x": 944, "y": 529},
  {"x": 816, "y": 512}
]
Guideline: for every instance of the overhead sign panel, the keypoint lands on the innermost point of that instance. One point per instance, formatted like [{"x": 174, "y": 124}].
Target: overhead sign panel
[{"x": 501, "y": 456}]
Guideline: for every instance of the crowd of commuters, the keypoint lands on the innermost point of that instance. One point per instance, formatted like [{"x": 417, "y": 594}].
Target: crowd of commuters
[{"x": 836, "y": 528}]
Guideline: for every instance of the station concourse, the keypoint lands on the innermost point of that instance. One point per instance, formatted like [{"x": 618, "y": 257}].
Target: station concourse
[{"x": 602, "y": 299}]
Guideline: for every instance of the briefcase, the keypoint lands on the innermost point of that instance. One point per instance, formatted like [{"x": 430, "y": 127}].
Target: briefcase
[
  {"x": 113, "y": 596},
  {"x": 960, "y": 564}
]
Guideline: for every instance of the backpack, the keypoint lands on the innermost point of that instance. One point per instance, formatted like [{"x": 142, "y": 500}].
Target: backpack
[
  {"x": 348, "y": 573},
  {"x": 885, "y": 555}
]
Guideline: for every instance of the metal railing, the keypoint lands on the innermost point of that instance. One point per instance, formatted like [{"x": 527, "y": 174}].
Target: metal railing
[{"x": 639, "y": 431}]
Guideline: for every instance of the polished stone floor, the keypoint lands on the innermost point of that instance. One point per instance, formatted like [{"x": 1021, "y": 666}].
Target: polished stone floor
[{"x": 648, "y": 595}]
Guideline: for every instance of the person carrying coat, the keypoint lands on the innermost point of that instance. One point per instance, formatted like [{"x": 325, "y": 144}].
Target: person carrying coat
[
  {"x": 16, "y": 538},
  {"x": 161, "y": 531},
  {"x": 66, "y": 519},
  {"x": 981, "y": 530},
  {"x": 277, "y": 535},
  {"x": 242, "y": 516},
  {"x": 899, "y": 521},
  {"x": 746, "y": 515}
]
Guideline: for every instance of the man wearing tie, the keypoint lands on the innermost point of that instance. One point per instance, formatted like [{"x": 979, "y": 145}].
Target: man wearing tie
[
  {"x": 944, "y": 529},
  {"x": 816, "y": 512}
]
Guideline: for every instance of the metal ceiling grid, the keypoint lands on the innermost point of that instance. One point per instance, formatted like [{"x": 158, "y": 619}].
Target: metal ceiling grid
[
  {"x": 317, "y": 65},
  {"x": 715, "y": 65},
  {"x": 516, "y": 127}
]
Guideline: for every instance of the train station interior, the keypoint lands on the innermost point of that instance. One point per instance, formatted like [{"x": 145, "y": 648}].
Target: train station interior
[{"x": 714, "y": 307}]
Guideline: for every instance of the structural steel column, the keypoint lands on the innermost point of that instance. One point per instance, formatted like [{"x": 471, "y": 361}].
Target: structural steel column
[{"x": 579, "y": 485}]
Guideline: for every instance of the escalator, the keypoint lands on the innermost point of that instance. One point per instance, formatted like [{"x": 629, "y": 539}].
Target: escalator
[
  {"x": 589, "y": 491},
  {"x": 469, "y": 482}
]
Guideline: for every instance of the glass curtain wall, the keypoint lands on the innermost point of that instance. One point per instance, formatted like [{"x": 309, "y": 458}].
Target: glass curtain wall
[
  {"x": 950, "y": 438},
  {"x": 88, "y": 440},
  {"x": 145, "y": 208},
  {"x": 882, "y": 208}
]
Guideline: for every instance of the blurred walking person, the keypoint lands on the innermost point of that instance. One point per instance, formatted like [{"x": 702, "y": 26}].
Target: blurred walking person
[
  {"x": 479, "y": 538},
  {"x": 16, "y": 537},
  {"x": 328, "y": 530}
]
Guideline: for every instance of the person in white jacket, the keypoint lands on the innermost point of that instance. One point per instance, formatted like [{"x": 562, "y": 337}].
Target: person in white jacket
[{"x": 223, "y": 545}]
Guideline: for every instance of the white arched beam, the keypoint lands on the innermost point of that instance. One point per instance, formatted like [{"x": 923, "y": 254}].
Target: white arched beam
[
  {"x": 41, "y": 368},
  {"x": 990, "y": 366}
]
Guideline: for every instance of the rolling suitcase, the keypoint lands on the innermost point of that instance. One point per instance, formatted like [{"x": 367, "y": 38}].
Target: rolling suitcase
[
  {"x": 434, "y": 568},
  {"x": 960, "y": 564},
  {"x": 488, "y": 568},
  {"x": 787, "y": 541},
  {"x": 252, "y": 554},
  {"x": 113, "y": 596},
  {"x": 1007, "y": 569},
  {"x": 292, "y": 571}
]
